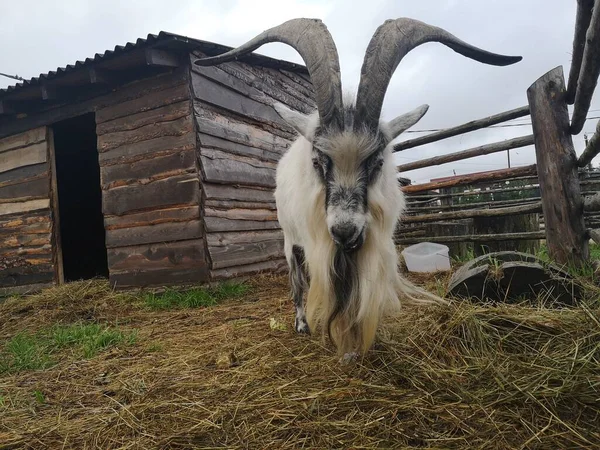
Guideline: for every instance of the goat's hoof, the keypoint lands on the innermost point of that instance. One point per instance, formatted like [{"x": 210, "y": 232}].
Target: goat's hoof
[
  {"x": 349, "y": 358},
  {"x": 301, "y": 326}
]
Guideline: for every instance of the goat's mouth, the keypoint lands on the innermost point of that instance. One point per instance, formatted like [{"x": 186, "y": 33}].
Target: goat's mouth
[{"x": 351, "y": 245}]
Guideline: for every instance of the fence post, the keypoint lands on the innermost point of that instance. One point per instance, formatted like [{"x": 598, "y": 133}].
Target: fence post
[{"x": 562, "y": 204}]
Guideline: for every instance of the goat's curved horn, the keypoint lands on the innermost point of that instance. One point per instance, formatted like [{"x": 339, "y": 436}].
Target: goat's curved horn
[
  {"x": 390, "y": 43},
  {"x": 312, "y": 40}
]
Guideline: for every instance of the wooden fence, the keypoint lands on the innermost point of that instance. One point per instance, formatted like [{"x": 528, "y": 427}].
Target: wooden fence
[{"x": 564, "y": 195}]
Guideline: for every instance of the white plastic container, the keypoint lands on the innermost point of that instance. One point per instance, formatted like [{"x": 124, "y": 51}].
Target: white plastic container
[{"x": 426, "y": 257}]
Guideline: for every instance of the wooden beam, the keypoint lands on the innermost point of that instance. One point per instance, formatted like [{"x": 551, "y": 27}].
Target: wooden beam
[
  {"x": 162, "y": 58},
  {"x": 490, "y": 204},
  {"x": 470, "y": 193},
  {"x": 49, "y": 92},
  {"x": 582, "y": 22},
  {"x": 100, "y": 76},
  {"x": 470, "y": 213},
  {"x": 487, "y": 149},
  {"x": 557, "y": 170},
  {"x": 529, "y": 235},
  {"x": 590, "y": 70},
  {"x": 592, "y": 149},
  {"x": 472, "y": 179},
  {"x": 464, "y": 128}
]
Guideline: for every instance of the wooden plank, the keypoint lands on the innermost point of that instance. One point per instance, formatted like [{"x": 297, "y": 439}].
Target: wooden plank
[
  {"x": 160, "y": 193},
  {"x": 24, "y": 156},
  {"x": 26, "y": 251},
  {"x": 38, "y": 227},
  {"x": 154, "y": 217},
  {"x": 582, "y": 22},
  {"x": 501, "y": 174},
  {"x": 224, "y": 168},
  {"x": 487, "y": 149},
  {"x": 16, "y": 221},
  {"x": 592, "y": 149},
  {"x": 234, "y": 249},
  {"x": 163, "y": 232},
  {"x": 242, "y": 214},
  {"x": 147, "y": 170},
  {"x": 26, "y": 289},
  {"x": 230, "y": 273},
  {"x": 21, "y": 174},
  {"x": 174, "y": 255},
  {"x": 453, "y": 215},
  {"x": 159, "y": 277},
  {"x": 56, "y": 242},
  {"x": 25, "y": 276},
  {"x": 299, "y": 79},
  {"x": 161, "y": 58},
  {"x": 109, "y": 141},
  {"x": 215, "y": 223},
  {"x": 166, "y": 113},
  {"x": 154, "y": 147},
  {"x": 21, "y": 207},
  {"x": 232, "y": 204},
  {"x": 530, "y": 235},
  {"x": 464, "y": 128},
  {"x": 35, "y": 188},
  {"x": 215, "y": 143},
  {"x": 151, "y": 100},
  {"x": 557, "y": 170},
  {"x": 237, "y": 193},
  {"x": 19, "y": 240},
  {"x": 26, "y": 139}
]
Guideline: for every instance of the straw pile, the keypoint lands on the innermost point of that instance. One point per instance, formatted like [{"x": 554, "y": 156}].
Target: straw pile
[{"x": 237, "y": 376}]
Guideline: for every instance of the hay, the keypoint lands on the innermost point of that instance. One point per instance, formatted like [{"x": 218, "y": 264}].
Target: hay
[{"x": 461, "y": 376}]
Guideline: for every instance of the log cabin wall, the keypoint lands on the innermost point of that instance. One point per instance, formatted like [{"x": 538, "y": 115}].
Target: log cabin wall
[
  {"x": 150, "y": 188},
  {"x": 240, "y": 139},
  {"x": 26, "y": 229}
]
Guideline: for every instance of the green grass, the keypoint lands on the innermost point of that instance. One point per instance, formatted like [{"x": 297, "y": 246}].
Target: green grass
[
  {"x": 194, "y": 298},
  {"x": 26, "y": 351}
]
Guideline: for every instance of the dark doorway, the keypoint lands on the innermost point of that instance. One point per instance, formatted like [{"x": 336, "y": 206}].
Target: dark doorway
[{"x": 80, "y": 199}]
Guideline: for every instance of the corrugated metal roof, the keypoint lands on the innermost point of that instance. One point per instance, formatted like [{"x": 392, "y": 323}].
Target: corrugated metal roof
[{"x": 150, "y": 41}]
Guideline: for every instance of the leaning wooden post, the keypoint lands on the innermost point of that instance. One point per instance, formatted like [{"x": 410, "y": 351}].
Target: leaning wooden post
[{"x": 562, "y": 204}]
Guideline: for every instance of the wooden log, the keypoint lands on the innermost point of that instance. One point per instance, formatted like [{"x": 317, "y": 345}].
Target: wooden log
[
  {"x": 472, "y": 179},
  {"x": 130, "y": 122},
  {"x": 37, "y": 227},
  {"x": 237, "y": 272},
  {"x": 21, "y": 207},
  {"x": 163, "y": 145},
  {"x": 164, "y": 255},
  {"x": 559, "y": 183},
  {"x": 224, "y": 168},
  {"x": 588, "y": 77},
  {"x": 595, "y": 235},
  {"x": 521, "y": 223},
  {"x": 29, "y": 189},
  {"x": 20, "y": 174},
  {"x": 216, "y": 224},
  {"x": 487, "y": 149},
  {"x": 158, "y": 277},
  {"x": 150, "y": 234},
  {"x": 464, "y": 128},
  {"x": 237, "y": 193},
  {"x": 26, "y": 139},
  {"x": 242, "y": 214},
  {"x": 470, "y": 213},
  {"x": 57, "y": 238},
  {"x": 411, "y": 197},
  {"x": 592, "y": 149},
  {"x": 154, "y": 217},
  {"x": 157, "y": 194},
  {"x": 233, "y": 204},
  {"x": 582, "y": 22},
  {"x": 26, "y": 276},
  {"x": 24, "y": 156},
  {"x": 489, "y": 204},
  {"x": 592, "y": 203},
  {"x": 234, "y": 249},
  {"x": 440, "y": 230},
  {"x": 211, "y": 142},
  {"x": 475, "y": 238}
]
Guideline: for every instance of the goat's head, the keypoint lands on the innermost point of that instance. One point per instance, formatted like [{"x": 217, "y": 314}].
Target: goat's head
[{"x": 349, "y": 140}]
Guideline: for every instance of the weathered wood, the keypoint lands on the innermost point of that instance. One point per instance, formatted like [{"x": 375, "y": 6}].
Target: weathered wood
[
  {"x": 30, "y": 250},
  {"x": 487, "y": 149},
  {"x": 24, "y": 289},
  {"x": 26, "y": 275},
  {"x": 36, "y": 188},
  {"x": 147, "y": 170},
  {"x": 588, "y": 77},
  {"x": 150, "y": 234},
  {"x": 26, "y": 139},
  {"x": 233, "y": 204},
  {"x": 160, "y": 193},
  {"x": 472, "y": 179},
  {"x": 242, "y": 214},
  {"x": 521, "y": 223},
  {"x": 166, "y": 113},
  {"x": 24, "y": 156},
  {"x": 19, "y": 220},
  {"x": 490, "y": 204},
  {"x": 57, "y": 238},
  {"x": 159, "y": 277},
  {"x": 154, "y": 147},
  {"x": 39, "y": 227},
  {"x": 411, "y": 197},
  {"x": 592, "y": 149},
  {"x": 229, "y": 273},
  {"x": 232, "y": 249},
  {"x": 21, "y": 174},
  {"x": 470, "y": 213},
  {"x": 474, "y": 238},
  {"x": 109, "y": 141},
  {"x": 215, "y": 143},
  {"x": 237, "y": 193},
  {"x": 153, "y": 217},
  {"x": 592, "y": 203},
  {"x": 557, "y": 170},
  {"x": 439, "y": 230},
  {"x": 582, "y": 22},
  {"x": 21, "y": 207},
  {"x": 214, "y": 224},
  {"x": 151, "y": 100},
  {"x": 19, "y": 240},
  {"x": 175, "y": 255},
  {"x": 595, "y": 235},
  {"x": 224, "y": 168},
  {"x": 464, "y": 128},
  {"x": 161, "y": 58}
]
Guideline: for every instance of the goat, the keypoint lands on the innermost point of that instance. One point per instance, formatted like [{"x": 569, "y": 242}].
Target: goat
[{"x": 337, "y": 194}]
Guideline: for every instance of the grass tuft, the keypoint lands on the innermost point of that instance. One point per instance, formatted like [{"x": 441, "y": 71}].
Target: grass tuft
[{"x": 194, "y": 298}]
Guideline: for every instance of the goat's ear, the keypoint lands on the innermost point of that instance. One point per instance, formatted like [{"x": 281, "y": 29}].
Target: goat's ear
[
  {"x": 402, "y": 123},
  {"x": 302, "y": 123}
]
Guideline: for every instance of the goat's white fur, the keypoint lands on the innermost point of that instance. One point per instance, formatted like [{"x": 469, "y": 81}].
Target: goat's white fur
[{"x": 300, "y": 199}]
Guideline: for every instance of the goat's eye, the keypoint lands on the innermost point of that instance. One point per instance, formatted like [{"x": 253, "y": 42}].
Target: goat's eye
[
  {"x": 380, "y": 163},
  {"x": 315, "y": 163}
]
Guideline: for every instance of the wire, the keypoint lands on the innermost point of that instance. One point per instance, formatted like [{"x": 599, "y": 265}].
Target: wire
[{"x": 14, "y": 77}]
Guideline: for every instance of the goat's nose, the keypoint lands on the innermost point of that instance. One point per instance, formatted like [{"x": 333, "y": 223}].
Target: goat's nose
[{"x": 343, "y": 233}]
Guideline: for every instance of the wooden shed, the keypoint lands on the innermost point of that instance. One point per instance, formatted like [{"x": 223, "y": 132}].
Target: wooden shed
[{"x": 138, "y": 166}]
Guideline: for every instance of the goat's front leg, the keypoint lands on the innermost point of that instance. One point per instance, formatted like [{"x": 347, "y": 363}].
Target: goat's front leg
[{"x": 298, "y": 281}]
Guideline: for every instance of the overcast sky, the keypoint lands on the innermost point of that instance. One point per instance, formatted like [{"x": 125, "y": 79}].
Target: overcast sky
[{"x": 40, "y": 35}]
